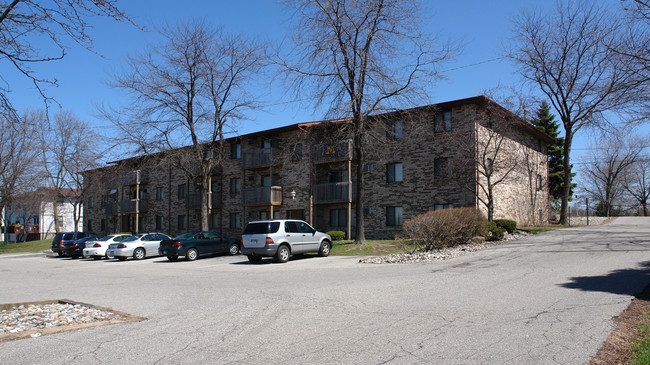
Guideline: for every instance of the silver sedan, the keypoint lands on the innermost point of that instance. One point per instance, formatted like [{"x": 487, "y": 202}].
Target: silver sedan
[{"x": 138, "y": 246}]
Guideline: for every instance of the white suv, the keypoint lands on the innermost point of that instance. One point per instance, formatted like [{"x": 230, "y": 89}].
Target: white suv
[{"x": 281, "y": 238}]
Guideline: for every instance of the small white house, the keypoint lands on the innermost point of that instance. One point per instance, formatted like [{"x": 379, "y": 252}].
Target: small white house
[{"x": 33, "y": 214}]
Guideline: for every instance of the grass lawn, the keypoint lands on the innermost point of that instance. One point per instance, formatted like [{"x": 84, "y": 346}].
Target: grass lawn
[
  {"x": 29, "y": 246},
  {"x": 538, "y": 230},
  {"x": 641, "y": 347},
  {"x": 370, "y": 248}
]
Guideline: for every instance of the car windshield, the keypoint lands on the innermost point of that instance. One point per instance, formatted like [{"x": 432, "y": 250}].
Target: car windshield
[
  {"x": 262, "y": 228},
  {"x": 105, "y": 238},
  {"x": 135, "y": 237},
  {"x": 184, "y": 236}
]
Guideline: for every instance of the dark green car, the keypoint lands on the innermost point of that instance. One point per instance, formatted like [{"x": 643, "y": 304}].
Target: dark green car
[{"x": 195, "y": 244}]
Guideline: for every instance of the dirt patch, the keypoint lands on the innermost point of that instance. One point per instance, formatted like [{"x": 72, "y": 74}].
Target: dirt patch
[{"x": 617, "y": 348}]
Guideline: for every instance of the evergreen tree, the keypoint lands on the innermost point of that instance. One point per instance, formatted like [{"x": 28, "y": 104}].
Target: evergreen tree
[{"x": 545, "y": 121}]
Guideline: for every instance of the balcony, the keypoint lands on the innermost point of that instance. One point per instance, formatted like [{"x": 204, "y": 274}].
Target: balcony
[
  {"x": 265, "y": 195},
  {"x": 263, "y": 157},
  {"x": 193, "y": 201},
  {"x": 134, "y": 177},
  {"x": 332, "y": 152},
  {"x": 331, "y": 193},
  {"x": 129, "y": 206}
]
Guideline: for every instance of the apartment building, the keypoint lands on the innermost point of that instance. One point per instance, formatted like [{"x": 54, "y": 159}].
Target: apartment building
[{"x": 416, "y": 160}]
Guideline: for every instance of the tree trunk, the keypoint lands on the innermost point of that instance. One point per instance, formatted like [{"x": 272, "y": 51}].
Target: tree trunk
[
  {"x": 204, "y": 191},
  {"x": 566, "y": 189},
  {"x": 359, "y": 231}
]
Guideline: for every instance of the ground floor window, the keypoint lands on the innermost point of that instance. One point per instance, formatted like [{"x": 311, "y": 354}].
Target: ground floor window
[
  {"x": 181, "y": 222},
  {"x": 214, "y": 221},
  {"x": 296, "y": 214},
  {"x": 443, "y": 206},
  {"x": 394, "y": 216},
  {"x": 159, "y": 223},
  {"x": 235, "y": 220},
  {"x": 90, "y": 225}
]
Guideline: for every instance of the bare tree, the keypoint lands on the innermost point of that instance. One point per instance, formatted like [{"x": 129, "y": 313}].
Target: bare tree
[
  {"x": 192, "y": 89},
  {"x": 637, "y": 182},
  {"x": 604, "y": 168},
  {"x": 34, "y": 31},
  {"x": 67, "y": 149},
  {"x": 26, "y": 206},
  {"x": 359, "y": 58},
  {"x": 18, "y": 153},
  {"x": 567, "y": 55}
]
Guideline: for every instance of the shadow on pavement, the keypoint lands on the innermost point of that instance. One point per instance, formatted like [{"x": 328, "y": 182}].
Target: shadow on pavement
[{"x": 625, "y": 281}]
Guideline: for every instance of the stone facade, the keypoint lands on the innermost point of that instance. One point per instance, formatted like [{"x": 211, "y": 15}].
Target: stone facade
[{"x": 307, "y": 171}]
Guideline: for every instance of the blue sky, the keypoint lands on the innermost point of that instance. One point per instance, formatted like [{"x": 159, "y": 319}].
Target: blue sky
[{"x": 482, "y": 25}]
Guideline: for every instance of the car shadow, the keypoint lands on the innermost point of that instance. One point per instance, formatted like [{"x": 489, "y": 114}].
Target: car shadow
[
  {"x": 271, "y": 260},
  {"x": 182, "y": 258},
  {"x": 624, "y": 281}
]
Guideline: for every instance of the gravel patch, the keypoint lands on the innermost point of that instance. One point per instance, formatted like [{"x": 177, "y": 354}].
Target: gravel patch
[
  {"x": 440, "y": 254},
  {"x": 35, "y": 317}
]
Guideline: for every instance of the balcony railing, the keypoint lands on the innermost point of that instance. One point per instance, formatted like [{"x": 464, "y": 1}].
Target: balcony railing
[
  {"x": 129, "y": 206},
  {"x": 134, "y": 177},
  {"x": 193, "y": 201},
  {"x": 265, "y": 195},
  {"x": 331, "y": 193},
  {"x": 332, "y": 152},
  {"x": 262, "y": 157}
]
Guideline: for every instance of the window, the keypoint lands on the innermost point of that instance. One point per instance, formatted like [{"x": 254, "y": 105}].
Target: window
[
  {"x": 296, "y": 214},
  {"x": 181, "y": 222},
  {"x": 394, "y": 216},
  {"x": 443, "y": 121},
  {"x": 265, "y": 215},
  {"x": 160, "y": 194},
  {"x": 291, "y": 227},
  {"x": 267, "y": 181},
  {"x": 540, "y": 182},
  {"x": 213, "y": 221},
  {"x": 235, "y": 185},
  {"x": 235, "y": 151},
  {"x": 440, "y": 167},
  {"x": 338, "y": 176},
  {"x": 102, "y": 225},
  {"x": 182, "y": 190},
  {"x": 394, "y": 130},
  {"x": 159, "y": 223},
  {"x": 90, "y": 225},
  {"x": 235, "y": 220},
  {"x": 394, "y": 172},
  {"x": 296, "y": 152},
  {"x": 443, "y": 206},
  {"x": 338, "y": 217},
  {"x": 91, "y": 202}
]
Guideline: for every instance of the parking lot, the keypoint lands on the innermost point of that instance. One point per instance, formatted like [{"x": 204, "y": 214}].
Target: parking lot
[{"x": 545, "y": 299}]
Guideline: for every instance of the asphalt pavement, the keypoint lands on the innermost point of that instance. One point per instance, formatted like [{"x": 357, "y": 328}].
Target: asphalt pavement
[{"x": 546, "y": 299}]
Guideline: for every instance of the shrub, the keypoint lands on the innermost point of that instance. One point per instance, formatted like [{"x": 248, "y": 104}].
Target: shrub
[
  {"x": 495, "y": 233},
  {"x": 509, "y": 225},
  {"x": 337, "y": 235},
  {"x": 444, "y": 228}
]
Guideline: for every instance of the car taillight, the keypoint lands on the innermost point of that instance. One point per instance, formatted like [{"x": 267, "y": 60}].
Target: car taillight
[
  {"x": 176, "y": 244},
  {"x": 121, "y": 245},
  {"x": 269, "y": 241},
  {"x": 97, "y": 245},
  {"x": 73, "y": 245}
]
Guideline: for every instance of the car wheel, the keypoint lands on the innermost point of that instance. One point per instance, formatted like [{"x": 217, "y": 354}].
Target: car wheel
[
  {"x": 283, "y": 254},
  {"x": 234, "y": 249},
  {"x": 97, "y": 257},
  {"x": 172, "y": 258},
  {"x": 255, "y": 259},
  {"x": 74, "y": 257},
  {"x": 121, "y": 258},
  {"x": 108, "y": 256},
  {"x": 60, "y": 254},
  {"x": 324, "y": 249},
  {"x": 138, "y": 253},
  {"x": 192, "y": 254}
]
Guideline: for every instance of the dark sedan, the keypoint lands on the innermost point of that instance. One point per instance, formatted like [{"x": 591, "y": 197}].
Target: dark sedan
[
  {"x": 75, "y": 249},
  {"x": 195, "y": 244}
]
